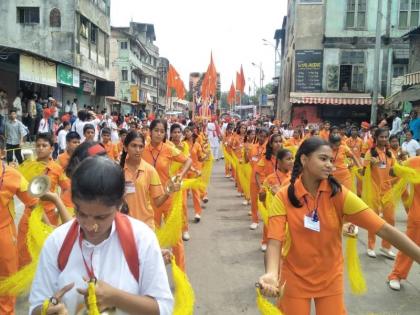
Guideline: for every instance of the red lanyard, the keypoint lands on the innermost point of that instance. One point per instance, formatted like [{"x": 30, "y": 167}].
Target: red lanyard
[
  {"x": 278, "y": 177},
  {"x": 155, "y": 159},
  {"x": 89, "y": 271}
]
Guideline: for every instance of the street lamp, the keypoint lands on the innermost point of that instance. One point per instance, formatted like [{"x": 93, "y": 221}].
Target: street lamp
[
  {"x": 277, "y": 56},
  {"x": 261, "y": 85}
]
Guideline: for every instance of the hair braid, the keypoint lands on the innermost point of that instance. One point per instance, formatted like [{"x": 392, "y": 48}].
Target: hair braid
[{"x": 297, "y": 169}]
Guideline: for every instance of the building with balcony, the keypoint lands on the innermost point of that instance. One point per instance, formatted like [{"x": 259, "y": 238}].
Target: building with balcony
[
  {"x": 328, "y": 54},
  {"x": 58, "y": 48},
  {"x": 134, "y": 61}
]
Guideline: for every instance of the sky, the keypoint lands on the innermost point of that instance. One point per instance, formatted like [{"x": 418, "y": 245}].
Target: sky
[{"x": 187, "y": 31}]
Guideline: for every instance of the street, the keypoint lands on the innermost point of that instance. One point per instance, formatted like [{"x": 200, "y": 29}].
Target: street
[{"x": 224, "y": 261}]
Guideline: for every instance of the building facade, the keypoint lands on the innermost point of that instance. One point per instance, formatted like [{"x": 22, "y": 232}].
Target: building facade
[
  {"x": 134, "y": 60},
  {"x": 328, "y": 54},
  {"x": 56, "y": 47}
]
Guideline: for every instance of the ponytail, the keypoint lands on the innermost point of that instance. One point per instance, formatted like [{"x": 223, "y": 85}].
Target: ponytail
[
  {"x": 297, "y": 170},
  {"x": 123, "y": 158}
]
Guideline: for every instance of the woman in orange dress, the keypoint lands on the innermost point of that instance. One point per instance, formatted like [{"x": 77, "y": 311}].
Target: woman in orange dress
[
  {"x": 276, "y": 180},
  {"x": 313, "y": 207},
  {"x": 160, "y": 155},
  {"x": 237, "y": 148}
]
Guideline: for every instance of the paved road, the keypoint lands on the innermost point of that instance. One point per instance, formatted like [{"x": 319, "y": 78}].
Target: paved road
[{"x": 224, "y": 260}]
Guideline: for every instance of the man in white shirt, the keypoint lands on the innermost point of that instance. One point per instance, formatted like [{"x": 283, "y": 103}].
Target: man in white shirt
[
  {"x": 396, "y": 125},
  {"x": 74, "y": 106},
  {"x": 17, "y": 103},
  {"x": 67, "y": 107},
  {"x": 410, "y": 145}
]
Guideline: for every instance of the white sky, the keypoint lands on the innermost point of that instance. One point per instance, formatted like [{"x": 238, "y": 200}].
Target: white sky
[{"x": 187, "y": 31}]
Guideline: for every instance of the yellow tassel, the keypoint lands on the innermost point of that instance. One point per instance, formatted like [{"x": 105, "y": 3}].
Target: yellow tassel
[
  {"x": 91, "y": 299},
  {"x": 368, "y": 187},
  {"x": 170, "y": 233},
  {"x": 45, "y": 306},
  {"x": 263, "y": 212},
  {"x": 265, "y": 307},
  {"x": 354, "y": 269},
  {"x": 21, "y": 281},
  {"x": 184, "y": 293}
]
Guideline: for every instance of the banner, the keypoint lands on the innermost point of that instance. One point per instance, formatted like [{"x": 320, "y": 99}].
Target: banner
[{"x": 37, "y": 70}]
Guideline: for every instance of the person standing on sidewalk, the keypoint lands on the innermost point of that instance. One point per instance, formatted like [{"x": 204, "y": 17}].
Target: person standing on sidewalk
[
  {"x": 4, "y": 110},
  {"x": 14, "y": 133}
]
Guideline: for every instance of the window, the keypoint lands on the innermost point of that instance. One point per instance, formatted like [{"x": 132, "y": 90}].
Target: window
[
  {"x": 409, "y": 14},
  {"x": 356, "y": 14},
  {"x": 84, "y": 27},
  {"x": 350, "y": 75},
  {"x": 124, "y": 75},
  {"x": 124, "y": 45},
  {"x": 28, "y": 15},
  {"x": 93, "y": 33},
  {"x": 399, "y": 70},
  {"x": 55, "y": 18}
]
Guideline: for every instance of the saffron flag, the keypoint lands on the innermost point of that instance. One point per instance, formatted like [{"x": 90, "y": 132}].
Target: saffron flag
[
  {"x": 232, "y": 95},
  {"x": 209, "y": 85},
  {"x": 173, "y": 81},
  {"x": 242, "y": 78}
]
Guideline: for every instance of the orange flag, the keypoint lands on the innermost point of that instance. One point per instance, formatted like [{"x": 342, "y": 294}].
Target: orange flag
[
  {"x": 180, "y": 89},
  {"x": 242, "y": 78},
  {"x": 209, "y": 84},
  {"x": 232, "y": 95}
]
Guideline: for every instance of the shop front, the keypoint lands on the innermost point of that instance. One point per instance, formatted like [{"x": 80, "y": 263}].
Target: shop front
[{"x": 334, "y": 107}]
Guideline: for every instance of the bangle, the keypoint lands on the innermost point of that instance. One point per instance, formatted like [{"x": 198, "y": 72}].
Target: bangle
[
  {"x": 45, "y": 306},
  {"x": 168, "y": 190}
]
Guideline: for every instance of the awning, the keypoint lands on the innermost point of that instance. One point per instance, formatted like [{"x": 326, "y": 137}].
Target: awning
[
  {"x": 333, "y": 98},
  {"x": 412, "y": 78},
  {"x": 411, "y": 94},
  {"x": 113, "y": 99}
]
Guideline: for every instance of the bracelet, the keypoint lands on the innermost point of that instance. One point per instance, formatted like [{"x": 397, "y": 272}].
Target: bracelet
[
  {"x": 168, "y": 190},
  {"x": 45, "y": 306}
]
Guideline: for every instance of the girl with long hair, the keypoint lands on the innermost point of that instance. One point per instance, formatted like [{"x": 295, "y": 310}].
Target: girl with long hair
[
  {"x": 313, "y": 207},
  {"x": 160, "y": 155}
]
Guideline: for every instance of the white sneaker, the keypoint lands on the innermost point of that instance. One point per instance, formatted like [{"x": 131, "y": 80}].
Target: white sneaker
[
  {"x": 395, "y": 284},
  {"x": 186, "y": 236},
  {"x": 253, "y": 226},
  {"x": 249, "y": 213},
  {"x": 264, "y": 248},
  {"x": 197, "y": 218},
  {"x": 245, "y": 202},
  {"x": 239, "y": 194},
  {"x": 387, "y": 253},
  {"x": 371, "y": 253}
]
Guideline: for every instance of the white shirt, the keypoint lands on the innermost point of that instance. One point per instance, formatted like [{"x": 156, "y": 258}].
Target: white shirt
[
  {"x": 396, "y": 126},
  {"x": 74, "y": 108},
  {"x": 78, "y": 127},
  {"x": 61, "y": 139},
  {"x": 410, "y": 147},
  {"x": 109, "y": 265},
  {"x": 67, "y": 108},
  {"x": 17, "y": 103},
  {"x": 114, "y": 132},
  {"x": 43, "y": 126}
]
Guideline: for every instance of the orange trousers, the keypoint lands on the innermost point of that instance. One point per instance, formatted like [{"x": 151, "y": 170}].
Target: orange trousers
[
  {"x": 388, "y": 211},
  {"x": 8, "y": 264},
  {"x": 196, "y": 195},
  {"x": 403, "y": 263},
  {"x": 323, "y": 305},
  {"x": 178, "y": 250},
  {"x": 254, "y": 201},
  {"x": 24, "y": 256}
]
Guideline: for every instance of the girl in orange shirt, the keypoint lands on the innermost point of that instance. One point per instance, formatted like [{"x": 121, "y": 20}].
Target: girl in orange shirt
[
  {"x": 142, "y": 182},
  {"x": 227, "y": 141},
  {"x": 403, "y": 262},
  {"x": 273, "y": 182},
  {"x": 160, "y": 155},
  {"x": 238, "y": 147},
  {"x": 314, "y": 206},
  {"x": 341, "y": 153},
  {"x": 197, "y": 156},
  {"x": 380, "y": 161},
  {"x": 253, "y": 157},
  {"x": 266, "y": 165}
]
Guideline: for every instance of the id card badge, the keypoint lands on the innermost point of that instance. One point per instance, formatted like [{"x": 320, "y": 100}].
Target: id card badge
[
  {"x": 310, "y": 224},
  {"x": 254, "y": 159},
  {"x": 382, "y": 165},
  {"x": 130, "y": 188}
]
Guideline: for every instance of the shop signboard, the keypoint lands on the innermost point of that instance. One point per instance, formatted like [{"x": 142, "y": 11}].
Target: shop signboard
[
  {"x": 37, "y": 70},
  {"x": 68, "y": 76},
  {"x": 308, "y": 71}
]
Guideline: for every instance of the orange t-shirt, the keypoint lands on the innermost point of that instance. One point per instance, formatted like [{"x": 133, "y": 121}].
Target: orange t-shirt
[
  {"x": 63, "y": 159},
  {"x": 265, "y": 167},
  {"x": 118, "y": 148},
  {"x": 141, "y": 188},
  {"x": 161, "y": 158},
  {"x": 238, "y": 146},
  {"x": 12, "y": 183},
  {"x": 196, "y": 153},
  {"x": 381, "y": 180},
  {"x": 110, "y": 151},
  {"x": 313, "y": 266},
  {"x": 355, "y": 145},
  {"x": 57, "y": 178},
  {"x": 277, "y": 179},
  {"x": 324, "y": 134},
  {"x": 340, "y": 156},
  {"x": 255, "y": 154},
  {"x": 293, "y": 142}
]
